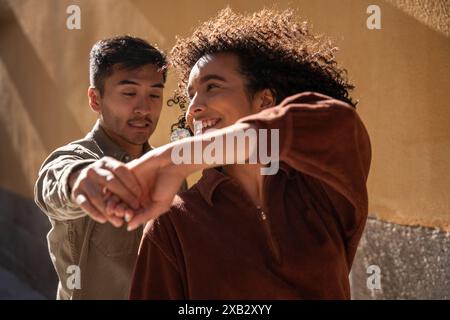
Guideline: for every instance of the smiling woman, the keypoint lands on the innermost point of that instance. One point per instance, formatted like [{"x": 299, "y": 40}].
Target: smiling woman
[
  {"x": 274, "y": 51},
  {"x": 218, "y": 93},
  {"x": 290, "y": 234}
]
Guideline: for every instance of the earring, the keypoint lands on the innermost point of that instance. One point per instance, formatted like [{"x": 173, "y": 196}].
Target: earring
[{"x": 179, "y": 133}]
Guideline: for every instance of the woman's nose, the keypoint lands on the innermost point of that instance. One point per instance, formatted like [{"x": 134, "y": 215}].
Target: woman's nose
[{"x": 196, "y": 107}]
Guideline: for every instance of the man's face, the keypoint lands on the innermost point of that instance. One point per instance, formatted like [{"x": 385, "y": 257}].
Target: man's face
[
  {"x": 131, "y": 104},
  {"x": 217, "y": 92}
]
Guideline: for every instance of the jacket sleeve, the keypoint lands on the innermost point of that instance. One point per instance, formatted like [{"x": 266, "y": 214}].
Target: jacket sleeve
[
  {"x": 324, "y": 138},
  {"x": 156, "y": 274},
  {"x": 51, "y": 191}
]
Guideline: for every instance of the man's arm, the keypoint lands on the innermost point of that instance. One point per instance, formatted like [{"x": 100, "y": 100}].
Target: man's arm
[
  {"x": 72, "y": 175},
  {"x": 52, "y": 193}
]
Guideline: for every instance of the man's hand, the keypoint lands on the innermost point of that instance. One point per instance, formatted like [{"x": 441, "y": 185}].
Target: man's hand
[{"x": 96, "y": 184}]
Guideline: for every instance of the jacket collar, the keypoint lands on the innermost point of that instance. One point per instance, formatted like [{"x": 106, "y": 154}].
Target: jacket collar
[{"x": 109, "y": 147}]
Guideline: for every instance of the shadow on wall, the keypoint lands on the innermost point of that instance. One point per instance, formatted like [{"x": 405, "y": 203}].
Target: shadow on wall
[
  {"x": 38, "y": 92},
  {"x": 23, "y": 245},
  {"x": 23, "y": 227}
]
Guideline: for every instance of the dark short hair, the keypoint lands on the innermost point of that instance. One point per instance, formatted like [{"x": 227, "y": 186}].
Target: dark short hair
[
  {"x": 275, "y": 52},
  {"x": 128, "y": 52}
]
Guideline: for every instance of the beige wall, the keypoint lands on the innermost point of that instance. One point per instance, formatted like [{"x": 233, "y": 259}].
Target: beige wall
[{"x": 401, "y": 73}]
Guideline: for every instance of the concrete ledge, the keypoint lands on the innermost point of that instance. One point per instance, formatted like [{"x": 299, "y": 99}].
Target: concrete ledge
[{"x": 414, "y": 262}]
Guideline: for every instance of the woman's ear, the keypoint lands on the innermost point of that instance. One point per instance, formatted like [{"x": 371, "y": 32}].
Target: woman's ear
[
  {"x": 94, "y": 99},
  {"x": 264, "y": 99}
]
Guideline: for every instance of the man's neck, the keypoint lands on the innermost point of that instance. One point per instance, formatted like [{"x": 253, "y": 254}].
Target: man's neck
[
  {"x": 135, "y": 153},
  {"x": 133, "y": 150}
]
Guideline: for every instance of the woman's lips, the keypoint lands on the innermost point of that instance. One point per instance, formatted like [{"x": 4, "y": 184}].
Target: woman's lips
[{"x": 201, "y": 125}]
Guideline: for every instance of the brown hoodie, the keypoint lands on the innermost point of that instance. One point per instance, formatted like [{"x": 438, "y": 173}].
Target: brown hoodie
[{"x": 215, "y": 244}]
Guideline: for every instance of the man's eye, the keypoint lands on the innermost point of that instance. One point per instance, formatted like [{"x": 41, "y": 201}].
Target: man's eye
[
  {"x": 129, "y": 94},
  {"x": 154, "y": 96}
]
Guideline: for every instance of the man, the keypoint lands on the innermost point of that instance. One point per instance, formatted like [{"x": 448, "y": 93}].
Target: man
[
  {"x": 94, "y": 259},
  {"x": 238, "y": 234}
]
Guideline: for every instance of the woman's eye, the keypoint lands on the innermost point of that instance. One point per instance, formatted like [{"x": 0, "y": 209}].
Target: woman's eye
[
  {"x": 154, "y": 96},
  {"x": 129, "y": 94},
  {"x": 211, "y": 86}
]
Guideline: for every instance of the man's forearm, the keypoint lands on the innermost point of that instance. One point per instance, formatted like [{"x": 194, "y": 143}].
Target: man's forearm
[
  {"x": 52, "y": 190},
  {"x": 72, "y": 178}
]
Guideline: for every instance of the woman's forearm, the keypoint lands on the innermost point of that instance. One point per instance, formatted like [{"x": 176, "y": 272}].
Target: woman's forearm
[{"x": 231, "y": 145}]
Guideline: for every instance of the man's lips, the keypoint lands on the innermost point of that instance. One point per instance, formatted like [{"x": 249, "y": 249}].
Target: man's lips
[{"x": 140, "y": 124}]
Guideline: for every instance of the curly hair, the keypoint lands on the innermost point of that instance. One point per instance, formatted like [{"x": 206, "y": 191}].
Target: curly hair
[{"x": 274, "y": 50}]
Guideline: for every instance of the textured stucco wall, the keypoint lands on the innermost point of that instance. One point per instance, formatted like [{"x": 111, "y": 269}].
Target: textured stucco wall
[
  {"x": 401, "y": 74},
  {"x": 413, "y": 262}
]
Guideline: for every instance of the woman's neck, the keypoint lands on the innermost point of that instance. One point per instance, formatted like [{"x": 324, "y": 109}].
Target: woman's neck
[{"x": 250, "y": 179}]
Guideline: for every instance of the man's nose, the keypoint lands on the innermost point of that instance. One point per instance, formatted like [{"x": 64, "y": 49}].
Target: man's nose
[{"x": 143, "y": 107}]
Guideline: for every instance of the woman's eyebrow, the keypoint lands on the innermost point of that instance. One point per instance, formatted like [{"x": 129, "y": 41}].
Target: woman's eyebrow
[
  {"x": 211, "y": 77},
  {"x": 206, "y": 78}
]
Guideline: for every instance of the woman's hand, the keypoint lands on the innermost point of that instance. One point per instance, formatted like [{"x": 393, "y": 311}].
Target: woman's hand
[{"x": 160, "y": 181}]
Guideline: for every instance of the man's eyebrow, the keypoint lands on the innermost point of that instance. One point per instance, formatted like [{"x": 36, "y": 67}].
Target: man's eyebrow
[
  {"x": 158, "y": 85},
  {"x": 132, "y": 82},
  {"x": 208, "y": 77}
]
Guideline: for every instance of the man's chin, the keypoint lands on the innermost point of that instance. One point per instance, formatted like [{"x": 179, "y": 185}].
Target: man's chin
[
  {"x": 140, "y": 136},
  {"x": 139, "y": 139}
]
